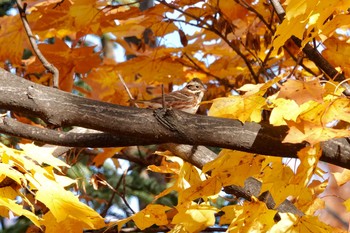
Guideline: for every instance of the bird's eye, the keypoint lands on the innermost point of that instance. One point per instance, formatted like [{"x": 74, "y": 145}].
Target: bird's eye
[{"x": 197, "y": 86}]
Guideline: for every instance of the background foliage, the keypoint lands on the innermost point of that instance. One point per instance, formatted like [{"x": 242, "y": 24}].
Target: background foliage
[{"x": 254, "y": 72}]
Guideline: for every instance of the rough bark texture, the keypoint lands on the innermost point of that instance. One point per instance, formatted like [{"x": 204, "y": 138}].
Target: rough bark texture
[{"x": 124, "y": 126}]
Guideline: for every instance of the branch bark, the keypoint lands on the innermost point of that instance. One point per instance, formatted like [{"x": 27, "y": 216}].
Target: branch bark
[{"x": 124, "y": 126}]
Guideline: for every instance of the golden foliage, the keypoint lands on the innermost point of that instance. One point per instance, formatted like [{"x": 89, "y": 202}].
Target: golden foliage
[{"x": 233, "y": 47}]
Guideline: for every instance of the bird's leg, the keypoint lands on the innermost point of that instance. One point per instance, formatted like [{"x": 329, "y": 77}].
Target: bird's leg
[
  {"x": 161, "y": 115},
  {"x": 163, "y": 97}
]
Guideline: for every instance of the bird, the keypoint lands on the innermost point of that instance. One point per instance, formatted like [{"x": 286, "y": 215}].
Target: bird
[{"x": 187, "y": 99}]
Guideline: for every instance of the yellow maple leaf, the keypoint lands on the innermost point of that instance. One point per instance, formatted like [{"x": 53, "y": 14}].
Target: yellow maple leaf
[
  {"x": 43, "y": 155},
  {"x": 311, "y": 133},
  {"x": 238, "y": 107},
  {"x": 336, "y": 109},
  {"x": 340, "y": 21},
  {"x": 244, "y": 108},
  {"x": 288, "y": 28},
  {"x": 308, "y": 224},
  {"x": 259, "y": 89},
  {"x": 70, "y": 225},
  {"x": 320, "y": 24},
  {"x": 347, "y": 205},
  {"x": 45, "y": 185},
  {"x": 309, "y": 157},
  {"x": 194, "y": 217},
  {"x": 64, "y": 205},
  {"x": 284, "y": 109},
  {"x": 10, "y": 194},
  {"x": 276, "y": 179},
  {"x": 313, "y": 206},
  {"x": 243, "y": 219},
  {"x": 234, "y": 167},
  {"x": 18, "y": 210},
  {"x": 342, "y": 177},
  {"x": 152, "y": 214},
  {"x": 170, "y": 164},
  {"x": 312, "y": 13},
  {"x": 175, "y": 166},
  {"x": 185, "y": 177},
  {"x": 205, "y": 189},
  {"x": 130, "y": 27},
  {"x": 102, "y": 81},
  {"x": 230, "y": 212},
  {"x": 8, "y": 171}
]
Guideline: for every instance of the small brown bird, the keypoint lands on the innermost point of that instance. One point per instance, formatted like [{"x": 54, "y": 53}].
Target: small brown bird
[{"x": 187, "y": 99}]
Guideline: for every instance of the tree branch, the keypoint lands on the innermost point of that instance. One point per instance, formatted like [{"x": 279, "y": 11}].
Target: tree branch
[
  {"x": 140, "y": 126},
  {"x": 48, "y": 66},
  {"x": 313, "y": 53}
]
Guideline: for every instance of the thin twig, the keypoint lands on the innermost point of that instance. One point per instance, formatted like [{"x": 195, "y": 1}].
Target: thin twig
[
  {"x": 48, "y": 66},
  {"x": 218, "y": 33},
  {"x": 295, "y": 67},
  {"x": 163, "y": 97},
  {"x": 244, "y": 4},
  {"x": 222, "y": 81},
  {"x": 121, "y": 195},
  {"x": 110, "y": 201},
  {"x": 127, "y": 90}
]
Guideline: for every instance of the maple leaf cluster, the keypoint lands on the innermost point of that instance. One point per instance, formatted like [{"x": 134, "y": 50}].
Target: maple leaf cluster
[{"x": 256, "y": 69}]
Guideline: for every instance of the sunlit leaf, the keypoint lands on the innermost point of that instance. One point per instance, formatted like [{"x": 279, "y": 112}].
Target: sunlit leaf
[
  {"x": 64, "y": 205},
  {"x": 43, "y": 155},
  {"x": 195, "y": 218},
  {"x": 12, "y": 33},
  {"x": 234, "y": 167},
  {"x": 291, "y": 223},
  {"x": 302, "y": 92},
  {"x": 152, "y": 214},
  {"x": 242, "y": 218}
]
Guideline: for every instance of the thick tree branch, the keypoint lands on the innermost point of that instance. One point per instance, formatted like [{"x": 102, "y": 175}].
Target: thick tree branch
[
  {"x": 71, "y": 139},
  {"x": 140, "y": 126}
]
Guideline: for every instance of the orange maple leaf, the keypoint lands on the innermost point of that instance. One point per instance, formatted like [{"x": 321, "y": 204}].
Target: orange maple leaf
[
  {"x": 68, "y": 60},
  {"x": 302, "y": 92},
  {"x": 12, "y": 38}
]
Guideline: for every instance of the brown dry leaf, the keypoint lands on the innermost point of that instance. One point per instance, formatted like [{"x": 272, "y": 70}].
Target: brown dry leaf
[{"x": 302, "y": 92}]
